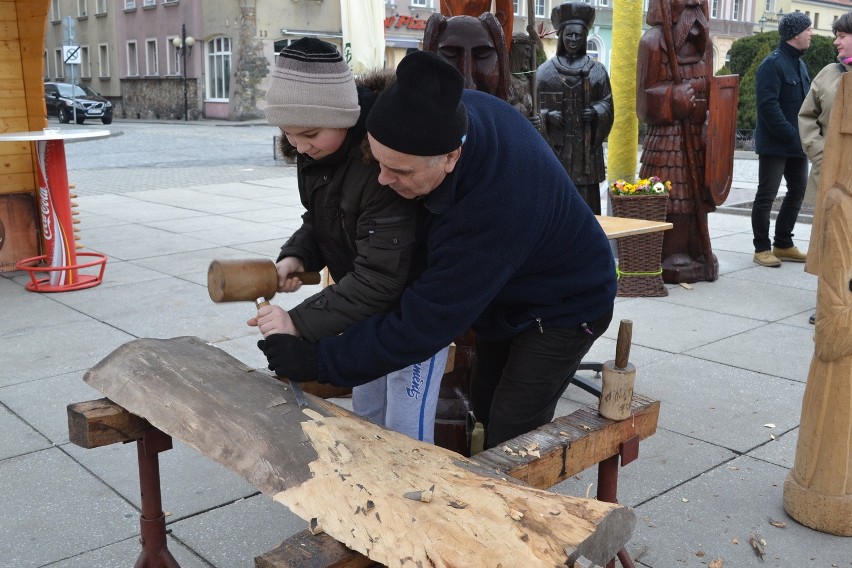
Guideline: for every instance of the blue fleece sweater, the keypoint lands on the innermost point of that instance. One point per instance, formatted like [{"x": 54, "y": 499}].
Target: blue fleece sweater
[{"x": 509, "y": 244}]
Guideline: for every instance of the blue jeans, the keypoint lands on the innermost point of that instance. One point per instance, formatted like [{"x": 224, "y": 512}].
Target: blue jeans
[
  {"x": 517, "y": 382},
  {"x": 770, "y": 170}
]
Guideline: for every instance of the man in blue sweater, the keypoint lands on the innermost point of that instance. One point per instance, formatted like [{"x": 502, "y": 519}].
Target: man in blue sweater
[
  {"x": 509, "y": 249},
  {"x": 781, "y": 85}
]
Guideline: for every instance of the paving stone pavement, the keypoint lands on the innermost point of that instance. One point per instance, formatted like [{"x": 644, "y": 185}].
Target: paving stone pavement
[{"x": 728, "y": 360}]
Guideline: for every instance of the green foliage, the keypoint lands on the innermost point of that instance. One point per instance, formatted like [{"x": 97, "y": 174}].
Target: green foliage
[
  {"x": 747, "y": 109},
  {"x": 748, "y": 52},
  {"x": 744, "y": 51},
  {"x": 723, "y": 70}
]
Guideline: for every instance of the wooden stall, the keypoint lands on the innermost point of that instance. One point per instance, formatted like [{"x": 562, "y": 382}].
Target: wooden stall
[{"x": 21, "y": 109}]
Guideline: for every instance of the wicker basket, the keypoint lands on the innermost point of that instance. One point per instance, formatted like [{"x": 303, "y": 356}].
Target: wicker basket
[{"x": 639, "y": 270}]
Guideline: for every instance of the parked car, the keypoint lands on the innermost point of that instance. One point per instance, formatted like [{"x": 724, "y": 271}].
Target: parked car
[{"x": 63, "y": 99}]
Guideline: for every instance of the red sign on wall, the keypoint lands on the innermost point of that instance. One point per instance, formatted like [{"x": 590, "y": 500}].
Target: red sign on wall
[{"x": 405, "y": 22}]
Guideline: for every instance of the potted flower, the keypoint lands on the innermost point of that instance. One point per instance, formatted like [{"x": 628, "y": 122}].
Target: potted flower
[{"x": 639, "y": 270}]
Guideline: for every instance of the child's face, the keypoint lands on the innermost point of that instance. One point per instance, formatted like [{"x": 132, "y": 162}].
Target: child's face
[{"x": 315, "y": 142}]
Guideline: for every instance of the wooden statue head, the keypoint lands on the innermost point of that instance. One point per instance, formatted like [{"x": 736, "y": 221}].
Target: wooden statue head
[
  {"x": 504, "y": 11},
  {"x": 690, "y": 21},
  {"x": 521, "y": 55},
  {"x": 475, "y": 46},
  {"x": 572, "y": 21}
]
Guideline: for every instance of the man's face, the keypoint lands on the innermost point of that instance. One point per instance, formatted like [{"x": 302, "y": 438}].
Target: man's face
[
  {"x": 843, "y": 43},
  {"x": 411, "y": 176},
  {"x": 574, "y": 38},
  {"x": 803, "y": 40},
  {"x": 467, "y": 45}
]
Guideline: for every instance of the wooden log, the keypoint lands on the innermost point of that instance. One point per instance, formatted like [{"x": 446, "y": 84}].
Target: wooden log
[{"x": 351, "y": 479}]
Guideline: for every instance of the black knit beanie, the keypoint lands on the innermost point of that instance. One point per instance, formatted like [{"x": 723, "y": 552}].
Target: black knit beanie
[
  {"x": 312, "y": 87},
  {"x": 421, "y": 113},
  {"x": 793, "y": 24}
]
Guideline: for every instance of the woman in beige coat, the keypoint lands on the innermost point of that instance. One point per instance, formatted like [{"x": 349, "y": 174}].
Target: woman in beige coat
[{"x": 813, "y": 124}]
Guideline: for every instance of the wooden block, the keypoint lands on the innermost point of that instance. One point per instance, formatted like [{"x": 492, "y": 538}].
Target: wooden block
[
  {"x": 307, "y": 550},
  {"x": 101, "y": 422}
]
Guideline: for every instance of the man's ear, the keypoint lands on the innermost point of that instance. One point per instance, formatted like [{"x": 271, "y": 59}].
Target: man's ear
[{"x": 452, "y": 158}]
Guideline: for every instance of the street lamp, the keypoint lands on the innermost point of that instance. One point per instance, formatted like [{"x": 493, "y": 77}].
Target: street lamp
[
  {"x": 762, "y": 21},
  {"x": 183, "y": 45}
]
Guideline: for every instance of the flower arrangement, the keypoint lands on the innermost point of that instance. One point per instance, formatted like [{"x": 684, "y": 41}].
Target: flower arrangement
[{"x": 648, "y": 186}]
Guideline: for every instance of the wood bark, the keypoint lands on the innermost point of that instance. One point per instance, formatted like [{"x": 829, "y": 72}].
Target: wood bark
[{"x": 399, "y": 501}]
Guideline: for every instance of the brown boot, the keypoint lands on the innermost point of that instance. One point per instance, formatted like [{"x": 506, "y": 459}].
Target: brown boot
[
  {"x": 792, "y": 254},
  {"x": 766, "y": 258}
]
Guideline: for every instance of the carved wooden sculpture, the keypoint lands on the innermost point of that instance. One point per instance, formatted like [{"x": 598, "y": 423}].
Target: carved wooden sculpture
[
  {"x": 504, "y": 11},
  {"x": 818, "y": 490},
  {"x": 475, "y": 46},
  {"x": 575, "y": 101},
  {"x": 672, "y": 98},
  {"x": 399, "y": 501}
]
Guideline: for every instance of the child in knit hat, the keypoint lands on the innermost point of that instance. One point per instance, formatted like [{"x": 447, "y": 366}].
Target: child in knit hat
[{"x": 360, "y": 230}]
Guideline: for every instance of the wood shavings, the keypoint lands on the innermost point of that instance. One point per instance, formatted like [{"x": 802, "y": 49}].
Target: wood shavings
[
  {"x": 315, "y": 526},
  {"x": 424, "y": 496},
  {"x": 777, "y": 524},
  {"x": 586, "y": 428},
  {"x": 718, "y": 563},
  {"x": 758, "y": 545},
  {"x": 686, "y": 286},
  {"x": 515, "y": 514},
  {"x": 770, "y": 425}
]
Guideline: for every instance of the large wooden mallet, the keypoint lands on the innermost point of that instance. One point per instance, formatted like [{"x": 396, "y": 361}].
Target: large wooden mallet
[
  {"x": 248, "y": 280},
  {"x": 619, "y": 377}
]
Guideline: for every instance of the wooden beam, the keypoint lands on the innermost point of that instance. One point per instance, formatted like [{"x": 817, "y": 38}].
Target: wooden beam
[
  {"x": 570, "y": 444},
  {"x": 307, "y": 550},
  {"x": 380, "y": 493}
]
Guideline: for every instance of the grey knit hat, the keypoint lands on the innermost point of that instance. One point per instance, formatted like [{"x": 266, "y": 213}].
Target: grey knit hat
[
  {"x": 793, "y": 24},
  {"x": 312, "y": 87}
]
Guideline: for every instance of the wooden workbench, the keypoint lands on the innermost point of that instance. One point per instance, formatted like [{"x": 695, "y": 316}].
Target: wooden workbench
[{"x": 541, "y": 458}]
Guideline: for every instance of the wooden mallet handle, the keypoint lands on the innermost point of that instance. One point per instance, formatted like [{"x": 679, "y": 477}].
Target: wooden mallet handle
[{"x": 622, "y": 343}]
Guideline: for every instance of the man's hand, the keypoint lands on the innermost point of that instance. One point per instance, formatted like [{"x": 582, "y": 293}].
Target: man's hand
[
  {"x": 273, "y": 319},
  {"x": 290, "y": 357},
  {"x": 286, "y": 266}
]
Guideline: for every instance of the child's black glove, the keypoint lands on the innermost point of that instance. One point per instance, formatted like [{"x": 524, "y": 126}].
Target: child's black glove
[{"x": 290, "y": 357}]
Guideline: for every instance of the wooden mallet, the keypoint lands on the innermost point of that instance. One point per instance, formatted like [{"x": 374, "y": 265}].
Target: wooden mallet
[
  {"x": 619, "y": 377},
  {"x": 248, "y": 280}
]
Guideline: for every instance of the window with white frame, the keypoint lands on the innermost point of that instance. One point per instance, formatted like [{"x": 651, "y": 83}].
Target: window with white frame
[
  {"x": 770, "y": 6},
  {"x": 100, "y": 6},
  {"x": 132, "y": 59},
  {"x": 516, "y": 7},
  {"x": 82, "y": 8},
  {"x": 129, "y": 4},
  {"x": 418, "y": 3},
  {"x": 604, "y": 3},
  {"x": 539, "y": 8},
  {"x": 735, "y": 14},
  {"x": 59, "y": 63},
  {"x": 152, "y": 65},
  {"x": 714, "y": 8},
  {"x": 85, "y": 62},
  {"x": 55, "y": 16},
  {"x": 146, "y": 3},
  {"x": 46, "y": 65},
  {"x": 103, "y": 60},
  {"x": 218, "y": 68},
  {"x": 593, "y": 49},
  {"x": 172, "y": 56}
]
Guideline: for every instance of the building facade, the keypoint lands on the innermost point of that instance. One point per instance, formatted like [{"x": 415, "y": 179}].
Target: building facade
[{"x": 129, "y": 53}]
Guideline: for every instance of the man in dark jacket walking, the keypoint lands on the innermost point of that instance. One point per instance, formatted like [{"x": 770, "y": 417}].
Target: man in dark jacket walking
[
  {"x": 782, "y": 83},
  {"x": 509, "y": 249}
]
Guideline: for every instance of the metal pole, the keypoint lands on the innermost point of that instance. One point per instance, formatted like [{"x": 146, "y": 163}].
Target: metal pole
[{"x": 183, "y": 55}]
